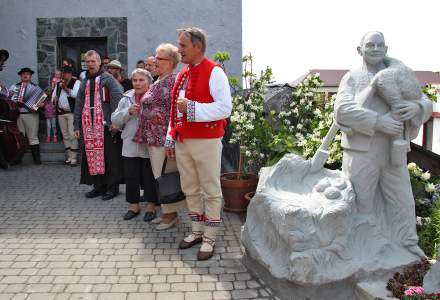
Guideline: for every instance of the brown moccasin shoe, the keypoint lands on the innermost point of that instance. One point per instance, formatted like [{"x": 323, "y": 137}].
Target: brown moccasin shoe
[
  {"x": 194, "y": 240},
  {"x": 205, "y": 255},
  {"x": 207, "y": 249}
]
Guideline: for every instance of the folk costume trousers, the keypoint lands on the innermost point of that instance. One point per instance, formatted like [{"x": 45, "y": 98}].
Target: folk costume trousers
[
  {"x": 70, "y": 142},
  {"x": 199, "y": 164},
  {"x": 28, "y": 123},
  {"x": 157, "y": 157}
]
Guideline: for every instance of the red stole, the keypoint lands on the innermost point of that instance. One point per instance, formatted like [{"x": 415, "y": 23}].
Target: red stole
[{"x": 93, "y": 132}]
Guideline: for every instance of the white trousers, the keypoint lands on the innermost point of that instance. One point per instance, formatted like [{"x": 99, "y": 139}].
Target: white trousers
[
  {"x": 199, "y": 163},
  {"x": 28, "y": 125},
  {"x": 70, "y": 142}
]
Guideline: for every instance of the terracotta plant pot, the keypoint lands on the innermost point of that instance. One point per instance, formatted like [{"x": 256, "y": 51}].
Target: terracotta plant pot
[{"x": 234, "y": 190}]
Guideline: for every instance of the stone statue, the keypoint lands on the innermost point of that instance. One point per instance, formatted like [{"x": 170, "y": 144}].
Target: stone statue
[
  {"x": 313, "y": 227},
  {"x": 374, "y": 160}
]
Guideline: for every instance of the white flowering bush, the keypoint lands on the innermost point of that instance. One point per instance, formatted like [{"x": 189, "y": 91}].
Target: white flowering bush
[
  {"x": 426, "y": 190},
  {"x": 430, "y": 91},
  {"x": 251, "y": 130},
  {"x": 308, "y": 117}
]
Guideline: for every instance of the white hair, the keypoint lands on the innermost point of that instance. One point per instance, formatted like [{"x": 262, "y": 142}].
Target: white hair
[{"x": 144, "y": 73}]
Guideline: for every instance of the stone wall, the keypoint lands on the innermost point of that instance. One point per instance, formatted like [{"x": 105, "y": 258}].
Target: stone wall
[
  {"x": 48, "y": 29},
  {"x": 148, "y": 23}
]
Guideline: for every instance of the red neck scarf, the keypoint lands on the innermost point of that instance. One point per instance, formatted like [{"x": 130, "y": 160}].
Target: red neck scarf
[{"x": 93, "y": 132}]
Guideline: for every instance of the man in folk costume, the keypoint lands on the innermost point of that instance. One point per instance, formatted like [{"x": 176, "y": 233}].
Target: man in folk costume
[
  {"x": 64, "y": 95},
  {"x": 29, "y": 97},
  {"x": 200, "y": 102},
  {"x": 98, "y": 97}
]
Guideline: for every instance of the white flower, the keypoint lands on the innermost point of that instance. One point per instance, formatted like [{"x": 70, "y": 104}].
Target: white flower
[
  {"x": 295, "y": 111},
  {"x": 262, "y": 155},
  {"x": 426, "y": 176},
  {"x": 299, "y": 126},
  {"x": 430, "y": 187},
  {"x": 247, "y": 153},
  {"x": 412, "y": 166}
]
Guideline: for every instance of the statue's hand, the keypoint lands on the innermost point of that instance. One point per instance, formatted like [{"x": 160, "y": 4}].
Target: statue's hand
[
  {"x": 406, "y": 110},
  {"x": 388, "y": 125}
]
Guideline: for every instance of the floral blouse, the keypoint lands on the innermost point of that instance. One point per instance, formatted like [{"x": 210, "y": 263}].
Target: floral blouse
[{"x": 155, "y": 113}]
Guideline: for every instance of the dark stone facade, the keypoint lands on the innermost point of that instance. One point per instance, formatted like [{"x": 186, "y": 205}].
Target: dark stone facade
[{"x": 49, "y": 29}]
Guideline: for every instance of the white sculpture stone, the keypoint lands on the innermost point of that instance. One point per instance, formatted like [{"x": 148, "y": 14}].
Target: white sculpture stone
[
  {"x": 431, "y": 282},
  {"x": 312, "y": 226}
]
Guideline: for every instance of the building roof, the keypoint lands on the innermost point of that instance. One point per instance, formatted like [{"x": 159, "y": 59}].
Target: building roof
[{"x": 332, "y": 78}]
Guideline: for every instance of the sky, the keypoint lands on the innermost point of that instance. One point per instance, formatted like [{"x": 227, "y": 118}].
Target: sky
[{"x": 294, "y": 36}]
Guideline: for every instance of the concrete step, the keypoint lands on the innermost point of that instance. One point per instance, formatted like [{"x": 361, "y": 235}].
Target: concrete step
[{"x": 49, "y": 153}]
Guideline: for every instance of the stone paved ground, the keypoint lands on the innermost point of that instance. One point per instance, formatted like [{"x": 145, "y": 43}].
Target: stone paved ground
[{"x": 56, "y": 244}]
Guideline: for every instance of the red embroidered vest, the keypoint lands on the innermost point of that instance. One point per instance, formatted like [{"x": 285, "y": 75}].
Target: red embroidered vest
[{"x": 197, "y": 89}]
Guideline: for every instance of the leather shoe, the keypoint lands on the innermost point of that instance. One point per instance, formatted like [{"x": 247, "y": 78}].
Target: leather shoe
[
  {"x": 165, "y": 226},
  {"x": 94, "y": 193},
  {"x": 185, "y": 245},
  {"x": 109, "y": 195},
  {"x": 149, "y": 216},
  {"x": 205, "y": 255},
  {"x": 131, "y": 214}
]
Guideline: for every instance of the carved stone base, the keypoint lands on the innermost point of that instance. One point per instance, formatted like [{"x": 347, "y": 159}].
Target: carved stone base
[{"x": 341, "y": 290}]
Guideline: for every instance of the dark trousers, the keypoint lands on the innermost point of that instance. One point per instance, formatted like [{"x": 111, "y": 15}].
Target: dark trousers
[{"x": 137, "y": 175}]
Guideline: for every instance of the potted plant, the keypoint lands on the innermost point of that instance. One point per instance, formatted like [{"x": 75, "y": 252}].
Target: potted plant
[{"x": 252, "y": 132}]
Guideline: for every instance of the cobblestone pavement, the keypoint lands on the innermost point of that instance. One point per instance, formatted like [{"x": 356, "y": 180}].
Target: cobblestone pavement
[{"x": 56, "y": 244}]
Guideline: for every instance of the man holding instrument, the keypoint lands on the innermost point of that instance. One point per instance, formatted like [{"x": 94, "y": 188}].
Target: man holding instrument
[{"x": 29, "y": 97}]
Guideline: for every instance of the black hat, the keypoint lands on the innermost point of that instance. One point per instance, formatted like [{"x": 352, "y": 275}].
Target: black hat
[
  {"x": 67, "y": 69},
  {"x": 23, "y": 70},
  {"x": 4, "y": 53}
]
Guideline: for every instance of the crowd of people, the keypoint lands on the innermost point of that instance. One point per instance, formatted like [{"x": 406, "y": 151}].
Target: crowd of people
[{"x": 134, "y": 129}]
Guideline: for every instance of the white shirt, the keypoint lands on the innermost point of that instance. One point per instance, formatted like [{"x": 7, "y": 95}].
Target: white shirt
[
  {"x": 63, "y": 103},
  {"x": 219, "y": 109}
]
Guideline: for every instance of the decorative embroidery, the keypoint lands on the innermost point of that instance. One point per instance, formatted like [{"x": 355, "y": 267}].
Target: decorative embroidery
[
  {"x": 93, "y": 132},
  {"x": 208, "y": 240},
  {"x": 213, "y": 222},
  {"x": 174, "y": 120},
  {"x": 191, "y": 111},
  {"x": 195, "y": 217}
]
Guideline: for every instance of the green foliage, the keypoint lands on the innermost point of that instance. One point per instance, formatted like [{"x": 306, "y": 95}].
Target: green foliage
[
  {"x": 281, "y": 144},
  {"x": 429, "y": 232},
  {"x": 426, "y": 194},
  {"x": 251, "y": 130},
  {"x": 307, "y": 118},
  {"x": 430, "y": 91},
  {"x": 222, "y": 58}
]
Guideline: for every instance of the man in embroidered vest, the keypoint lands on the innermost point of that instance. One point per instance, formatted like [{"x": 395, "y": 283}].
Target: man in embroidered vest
[
  {"x": 65, "y": 96},
  {"x": 98, "y": 97},
  {"x": 29, "y": 97},
  {"x": 200, "y": 102}
]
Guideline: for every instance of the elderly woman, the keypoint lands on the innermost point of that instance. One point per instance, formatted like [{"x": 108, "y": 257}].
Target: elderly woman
[
  {"x": 137, "y": 167},
  {"x": 154, "y": 121}
]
